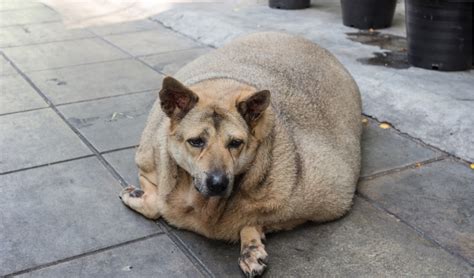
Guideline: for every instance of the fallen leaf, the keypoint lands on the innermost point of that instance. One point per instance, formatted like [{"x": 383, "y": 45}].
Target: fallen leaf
[
  {"x": 472, "y": 166},
  {"x": 384, "y": 125}
]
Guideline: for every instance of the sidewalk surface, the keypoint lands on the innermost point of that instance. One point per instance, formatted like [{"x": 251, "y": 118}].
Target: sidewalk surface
[{"x": 73, "y": 103}]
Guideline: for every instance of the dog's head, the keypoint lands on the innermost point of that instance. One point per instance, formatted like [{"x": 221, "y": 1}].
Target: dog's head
[{"x": 214, "y": 136}]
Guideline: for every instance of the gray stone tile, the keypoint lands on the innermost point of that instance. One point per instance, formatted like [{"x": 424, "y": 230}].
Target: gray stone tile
[
  {"x": 124, "y": 162},
  {"x": 5, "y": 67},
  {"x": 17, "y": 95},
  {"x": 111, "y": 123},
  {"x": 384, "y": 149},
  {"x": 365, "y": 243},
  {"x": 151, "y": 42},
  {"x": 437, "y": 198},
  {"x": 96, "y": 80},
  {"x": 6, "y": 5},
  {"x": 62, "y": 210},
  {"x": 126, "y": 27},
  {"x": 28, "y": 16},
  {"x": 153, "y": 257},
  {"x": 219, "y": 257},
  {"x": 61, "y": 54},
  {"x": 35, "y": 138},
  {"x": 169, "y": 63},
  {"x": 39, "y": 33}
]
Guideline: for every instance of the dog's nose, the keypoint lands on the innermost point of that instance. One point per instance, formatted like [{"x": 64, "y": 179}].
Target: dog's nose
[{"x": 217, "y": 182}]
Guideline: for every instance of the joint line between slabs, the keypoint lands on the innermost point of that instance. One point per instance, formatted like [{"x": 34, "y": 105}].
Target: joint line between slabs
[
  {"x": 186, "y": 251},
  {"x": 418, "y": 231},
  {"x": 86, "y": 254}
]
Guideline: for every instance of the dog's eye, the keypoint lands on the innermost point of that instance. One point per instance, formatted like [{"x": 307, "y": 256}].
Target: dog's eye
[
  {"x": 196, "y": 142},
  {"x": 234, "y": 144}
]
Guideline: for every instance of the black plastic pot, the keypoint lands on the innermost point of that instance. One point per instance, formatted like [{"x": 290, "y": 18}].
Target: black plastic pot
[
  {"x": 289, "y": 4},
  {"x": 439, "y": 34},
  {"x": 366, "y": 14}
]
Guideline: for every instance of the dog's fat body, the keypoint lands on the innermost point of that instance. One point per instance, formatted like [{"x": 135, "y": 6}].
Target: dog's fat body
[{"x": 306, "y": 168}]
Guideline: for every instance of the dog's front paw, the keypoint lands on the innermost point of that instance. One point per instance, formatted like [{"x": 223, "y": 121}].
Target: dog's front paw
[
  {"x": 130, "y": 192},
  {"x": 253, "y": 260}
]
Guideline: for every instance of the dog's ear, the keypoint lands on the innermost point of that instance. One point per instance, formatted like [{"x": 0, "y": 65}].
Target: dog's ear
[
  {"x": 253, "y": 106},
  {"x": 176, "y": 100}
]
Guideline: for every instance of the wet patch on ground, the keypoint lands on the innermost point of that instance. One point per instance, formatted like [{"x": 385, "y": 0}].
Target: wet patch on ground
[{"x": 394, "y": 54}]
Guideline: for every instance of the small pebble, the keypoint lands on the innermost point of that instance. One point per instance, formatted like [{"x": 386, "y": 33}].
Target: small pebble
[{"x": 127, "y": 268}]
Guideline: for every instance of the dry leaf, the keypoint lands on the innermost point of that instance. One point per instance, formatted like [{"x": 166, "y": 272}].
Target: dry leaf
[
  {"x": 472, "y": 166},
  {"x": 384, "y": 125}
]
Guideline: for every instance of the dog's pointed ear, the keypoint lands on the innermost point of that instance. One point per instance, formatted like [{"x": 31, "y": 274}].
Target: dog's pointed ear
[
  {"x": 253, "y": 106},
  {"x": 176, "y": 100}
]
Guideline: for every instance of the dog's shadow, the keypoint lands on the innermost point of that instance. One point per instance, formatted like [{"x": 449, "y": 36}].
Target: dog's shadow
[{"x": 287, "y": 250}]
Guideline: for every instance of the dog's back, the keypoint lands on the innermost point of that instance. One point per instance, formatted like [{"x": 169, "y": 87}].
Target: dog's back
[
  {"x": 310, "y": 88},
  {"x": 315, "y": 98}
]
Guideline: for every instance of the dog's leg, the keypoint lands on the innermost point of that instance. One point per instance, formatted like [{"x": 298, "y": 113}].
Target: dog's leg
[
  {"x": 252, "y": 254},
  {"x": 144, "y": 201}
]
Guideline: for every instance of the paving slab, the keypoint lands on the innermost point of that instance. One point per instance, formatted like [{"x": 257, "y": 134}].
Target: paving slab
[
  {"x": 366, "y": 243},
  {"x": 62, "y": 210},
  {"x": 429, "y": 105},
  {"x": 98, "y": 80},
  {"x": 62, "y": 54},
  {"x": 17, "y": 95},
  {"x": 385, "y": 149},
  {"x": 28, "y": 16},
  {"x": 35, "y": 138},
  {"x": 153, "y": 257},
  {"x": 151, "y": 42},
  {"x": 123, "y": 162},
  {"x": 6, "y": 5},
  {"x": 169, "y": 63},
  {"x": 111, "y": 123},
  {"x": 5, "y": 67},
  {"x": 39, "y": 33},
  {"x": 125, "y": 27},
  {"x": 436, "y": 198}
]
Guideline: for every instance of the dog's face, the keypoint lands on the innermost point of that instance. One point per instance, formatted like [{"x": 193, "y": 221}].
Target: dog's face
[{"x": 211, "y": 138}]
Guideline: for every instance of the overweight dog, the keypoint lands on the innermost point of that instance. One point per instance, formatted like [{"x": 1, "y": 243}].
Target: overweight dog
[{"x": 258, "y": 136}]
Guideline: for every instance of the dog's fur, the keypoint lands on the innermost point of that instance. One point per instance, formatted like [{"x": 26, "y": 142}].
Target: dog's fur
[{"x": 300, "y": 154}]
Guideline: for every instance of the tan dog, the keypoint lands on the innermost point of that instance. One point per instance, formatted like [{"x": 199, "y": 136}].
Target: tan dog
[{"x": 262, "y": 135}]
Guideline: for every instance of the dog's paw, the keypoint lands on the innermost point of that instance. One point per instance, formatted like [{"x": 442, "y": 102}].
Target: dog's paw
[
  {"x": 253, "y": 260},
  {"x": 130, "y": 192}
]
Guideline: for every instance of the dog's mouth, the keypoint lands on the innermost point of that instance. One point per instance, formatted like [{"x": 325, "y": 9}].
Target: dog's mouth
[
  {"x": 197, "y": 185},
  {"x": 206, "y": 192}
]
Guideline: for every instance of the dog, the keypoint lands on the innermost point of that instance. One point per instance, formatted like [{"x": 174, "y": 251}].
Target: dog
[{"x": 258, "y": 136}]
